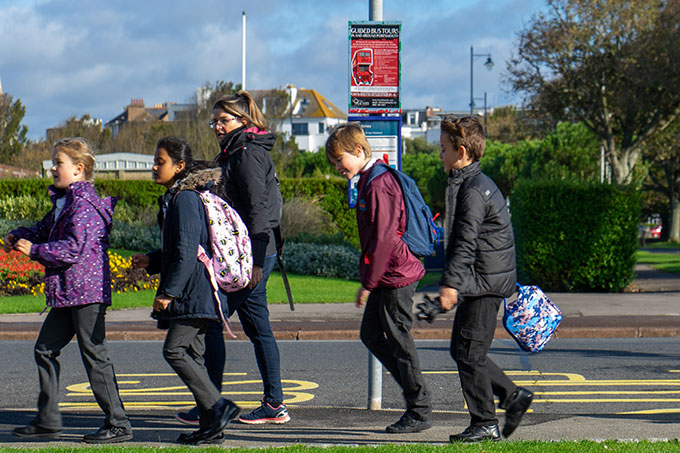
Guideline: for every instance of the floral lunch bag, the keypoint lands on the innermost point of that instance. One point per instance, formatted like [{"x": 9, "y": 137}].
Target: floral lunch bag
[{"x": 531, "y": 319}]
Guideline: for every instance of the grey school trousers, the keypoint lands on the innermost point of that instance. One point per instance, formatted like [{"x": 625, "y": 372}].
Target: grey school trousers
[
  {"x": 87, "y": 323},
  {"x": 386, "y": 332},
  {"x": 183, "y": 350}
]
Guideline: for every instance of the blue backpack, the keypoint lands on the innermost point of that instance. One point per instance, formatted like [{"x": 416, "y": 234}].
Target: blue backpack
[{"x": 420, "y": 234}]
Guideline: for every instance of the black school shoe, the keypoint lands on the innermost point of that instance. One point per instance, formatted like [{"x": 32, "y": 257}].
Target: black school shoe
[
  {"x": 477, "y": 434},
  {"x": 35, "y": 432},
  {"x": 108, "y": 435},
  {"x": 198, "y": 438},
  {"x": 221, "y": 414},
  {"x": 408, "y": 424},
  {"x": 517, "y": 405}
]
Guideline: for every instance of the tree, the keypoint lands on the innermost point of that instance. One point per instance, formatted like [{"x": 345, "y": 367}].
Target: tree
[
  {"x": 275, "y": 105},
  {"x": 509, "y": 125},
  {"x": 12, "y": 133},
  {"x": 569, "y": 152},
  {"x": 662, "y": 154},
  {"x": 421, "y": 162},
  {"x": 86, "y": 127},
  {"x": 613, "y": 65}
]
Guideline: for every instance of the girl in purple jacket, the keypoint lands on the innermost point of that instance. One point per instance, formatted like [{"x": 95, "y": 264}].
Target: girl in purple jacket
[
  {"x": 71, "y": 241},
  {"x": 389, "y": 273}
]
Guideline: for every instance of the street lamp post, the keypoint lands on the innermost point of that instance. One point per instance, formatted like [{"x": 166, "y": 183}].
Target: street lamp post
[{"x": 488, "y": 64}]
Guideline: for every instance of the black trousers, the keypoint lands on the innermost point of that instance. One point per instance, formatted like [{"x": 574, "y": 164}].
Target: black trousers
[
  {"x": 183, "y": 350},
  {"x": 386, "y": 332},
  {"x": 480, "y": 378},
  {"x": 87, "y": 323}
]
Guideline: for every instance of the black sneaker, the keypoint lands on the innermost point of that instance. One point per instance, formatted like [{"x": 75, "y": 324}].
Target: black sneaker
[
  {"x": 108, "y": 435},
  {"x": 477, "y": 434},
  {"x": 190, "y": 417},
  {"x": 408, "y": 423},
  {"x": 515, "y": 407},
  {"x": 35, "y": 432},
  {"x": 266, "y": 413}
]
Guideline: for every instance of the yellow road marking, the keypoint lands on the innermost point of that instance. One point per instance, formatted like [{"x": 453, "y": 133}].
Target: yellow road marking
[
  {"x": 653, "y": 411},
  {"x": 294, "y": 391}
]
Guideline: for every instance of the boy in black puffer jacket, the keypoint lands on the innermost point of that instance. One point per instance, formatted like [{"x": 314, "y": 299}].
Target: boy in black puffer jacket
[{"x": 480, "y": 271}]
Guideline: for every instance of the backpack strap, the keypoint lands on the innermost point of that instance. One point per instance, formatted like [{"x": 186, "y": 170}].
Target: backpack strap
[
  {"x": 376, "y": 170},
  {"x": 203, "y": 257}
]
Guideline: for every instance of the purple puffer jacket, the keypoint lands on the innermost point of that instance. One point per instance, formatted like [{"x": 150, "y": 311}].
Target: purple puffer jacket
[{"x": 73, "y": 248}]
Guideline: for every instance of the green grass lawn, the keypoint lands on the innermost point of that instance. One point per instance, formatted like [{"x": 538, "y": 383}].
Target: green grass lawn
[
  {"x": 483, "y": 447},
  {"x": 667, "y": 262},
  {"x": 305, "y": 289},
  {"x": 661, "y": 245}
]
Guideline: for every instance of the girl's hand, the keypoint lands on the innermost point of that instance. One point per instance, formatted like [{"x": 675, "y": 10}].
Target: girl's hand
[
  {"x": 140, "y": 261},
  {"x": 160, "y": 303},
  {"x": 8, "y": 242},
  {"x": 362, "y": 296},
  {"x": 256, "y": 277},
  {"x": 23, "y": 246}
]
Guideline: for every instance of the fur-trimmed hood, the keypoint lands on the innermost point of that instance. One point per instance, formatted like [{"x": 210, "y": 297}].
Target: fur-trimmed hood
[{"x": 199, "y": 180}]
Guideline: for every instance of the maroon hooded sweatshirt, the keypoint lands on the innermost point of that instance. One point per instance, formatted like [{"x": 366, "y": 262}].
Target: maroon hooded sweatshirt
[{"x": 385, "y": 259}]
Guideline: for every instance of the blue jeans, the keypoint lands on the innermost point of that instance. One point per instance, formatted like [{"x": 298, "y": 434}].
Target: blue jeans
[{"x": 251, "y": 306}]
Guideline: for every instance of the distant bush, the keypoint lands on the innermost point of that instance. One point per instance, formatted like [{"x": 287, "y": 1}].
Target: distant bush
[
  {"x": 24, "y": 207},
  {"x": 322, "y": 260},
  {"x": 574, "y": 236},
  {"x": 305, "y": 216},
  {"x": 332, "y": 196},
  {"x": 134, "y": 237}
]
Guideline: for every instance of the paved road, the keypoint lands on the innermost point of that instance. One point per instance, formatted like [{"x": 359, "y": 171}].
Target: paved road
[{"x": 596, "y": 388}]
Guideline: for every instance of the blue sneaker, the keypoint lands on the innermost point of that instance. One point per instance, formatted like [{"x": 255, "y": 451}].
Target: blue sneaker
[
  {"x": 190, "y": 418},
  {"x": 266, "y": 413}
]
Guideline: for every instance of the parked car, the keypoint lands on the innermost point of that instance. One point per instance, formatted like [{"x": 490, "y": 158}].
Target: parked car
[{"x": 655, "y": 231}]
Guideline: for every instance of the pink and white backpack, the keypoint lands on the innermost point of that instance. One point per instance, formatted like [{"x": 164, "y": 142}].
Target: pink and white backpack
[{"x": 231, "y": 265}]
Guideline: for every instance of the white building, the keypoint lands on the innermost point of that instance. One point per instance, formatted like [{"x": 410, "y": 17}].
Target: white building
[
  {"x": 117, "y": 165},
  {"x": 425, "y": 123},
  {"x": 311, "y": 117}
]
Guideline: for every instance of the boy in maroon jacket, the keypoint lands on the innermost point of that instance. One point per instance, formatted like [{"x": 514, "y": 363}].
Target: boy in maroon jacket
[{"x": 389, "y": 273}]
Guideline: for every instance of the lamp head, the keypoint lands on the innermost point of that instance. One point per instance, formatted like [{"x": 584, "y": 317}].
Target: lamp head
[{"x": 489, "y": 63}]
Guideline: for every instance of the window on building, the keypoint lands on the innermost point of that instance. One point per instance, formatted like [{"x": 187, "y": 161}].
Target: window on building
[
  {"x": 412, "y": 118},
  {"x": 300, "y": 129},
  {"x": 322, "y": 128}
]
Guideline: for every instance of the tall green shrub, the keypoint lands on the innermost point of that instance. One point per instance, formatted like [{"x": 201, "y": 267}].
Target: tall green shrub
[
  {"x": 332, "y": 196},
  {"x": 575, "y": 236}
]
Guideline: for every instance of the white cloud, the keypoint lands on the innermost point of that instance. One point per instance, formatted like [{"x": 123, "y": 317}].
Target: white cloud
[{"x": 72, "y": 57}]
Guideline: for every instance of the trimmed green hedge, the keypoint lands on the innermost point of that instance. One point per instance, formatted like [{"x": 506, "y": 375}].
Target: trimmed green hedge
[
  {"x": 332, "y": 194},
  {"x": 573, "y": 236},
  {"x": 133, "y": 192}
]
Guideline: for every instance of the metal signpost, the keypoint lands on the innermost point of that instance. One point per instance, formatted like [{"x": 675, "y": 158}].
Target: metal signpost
[{"x": 374, "y": 84}]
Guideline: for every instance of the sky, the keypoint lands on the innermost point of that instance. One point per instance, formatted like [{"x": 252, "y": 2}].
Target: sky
[{"x": 65, "y": 58}]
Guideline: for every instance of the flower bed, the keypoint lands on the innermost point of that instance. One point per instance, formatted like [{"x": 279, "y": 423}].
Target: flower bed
[{"x": 20, "y": 275}]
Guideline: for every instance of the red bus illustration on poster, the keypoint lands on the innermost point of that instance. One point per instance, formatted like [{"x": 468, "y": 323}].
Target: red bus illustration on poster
[
  {"x": 362, "y": 61},
  {"x": 374, "y": 67}
]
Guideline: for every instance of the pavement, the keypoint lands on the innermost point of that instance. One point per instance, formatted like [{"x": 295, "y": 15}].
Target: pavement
[{"x": 651, "y": 309}]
